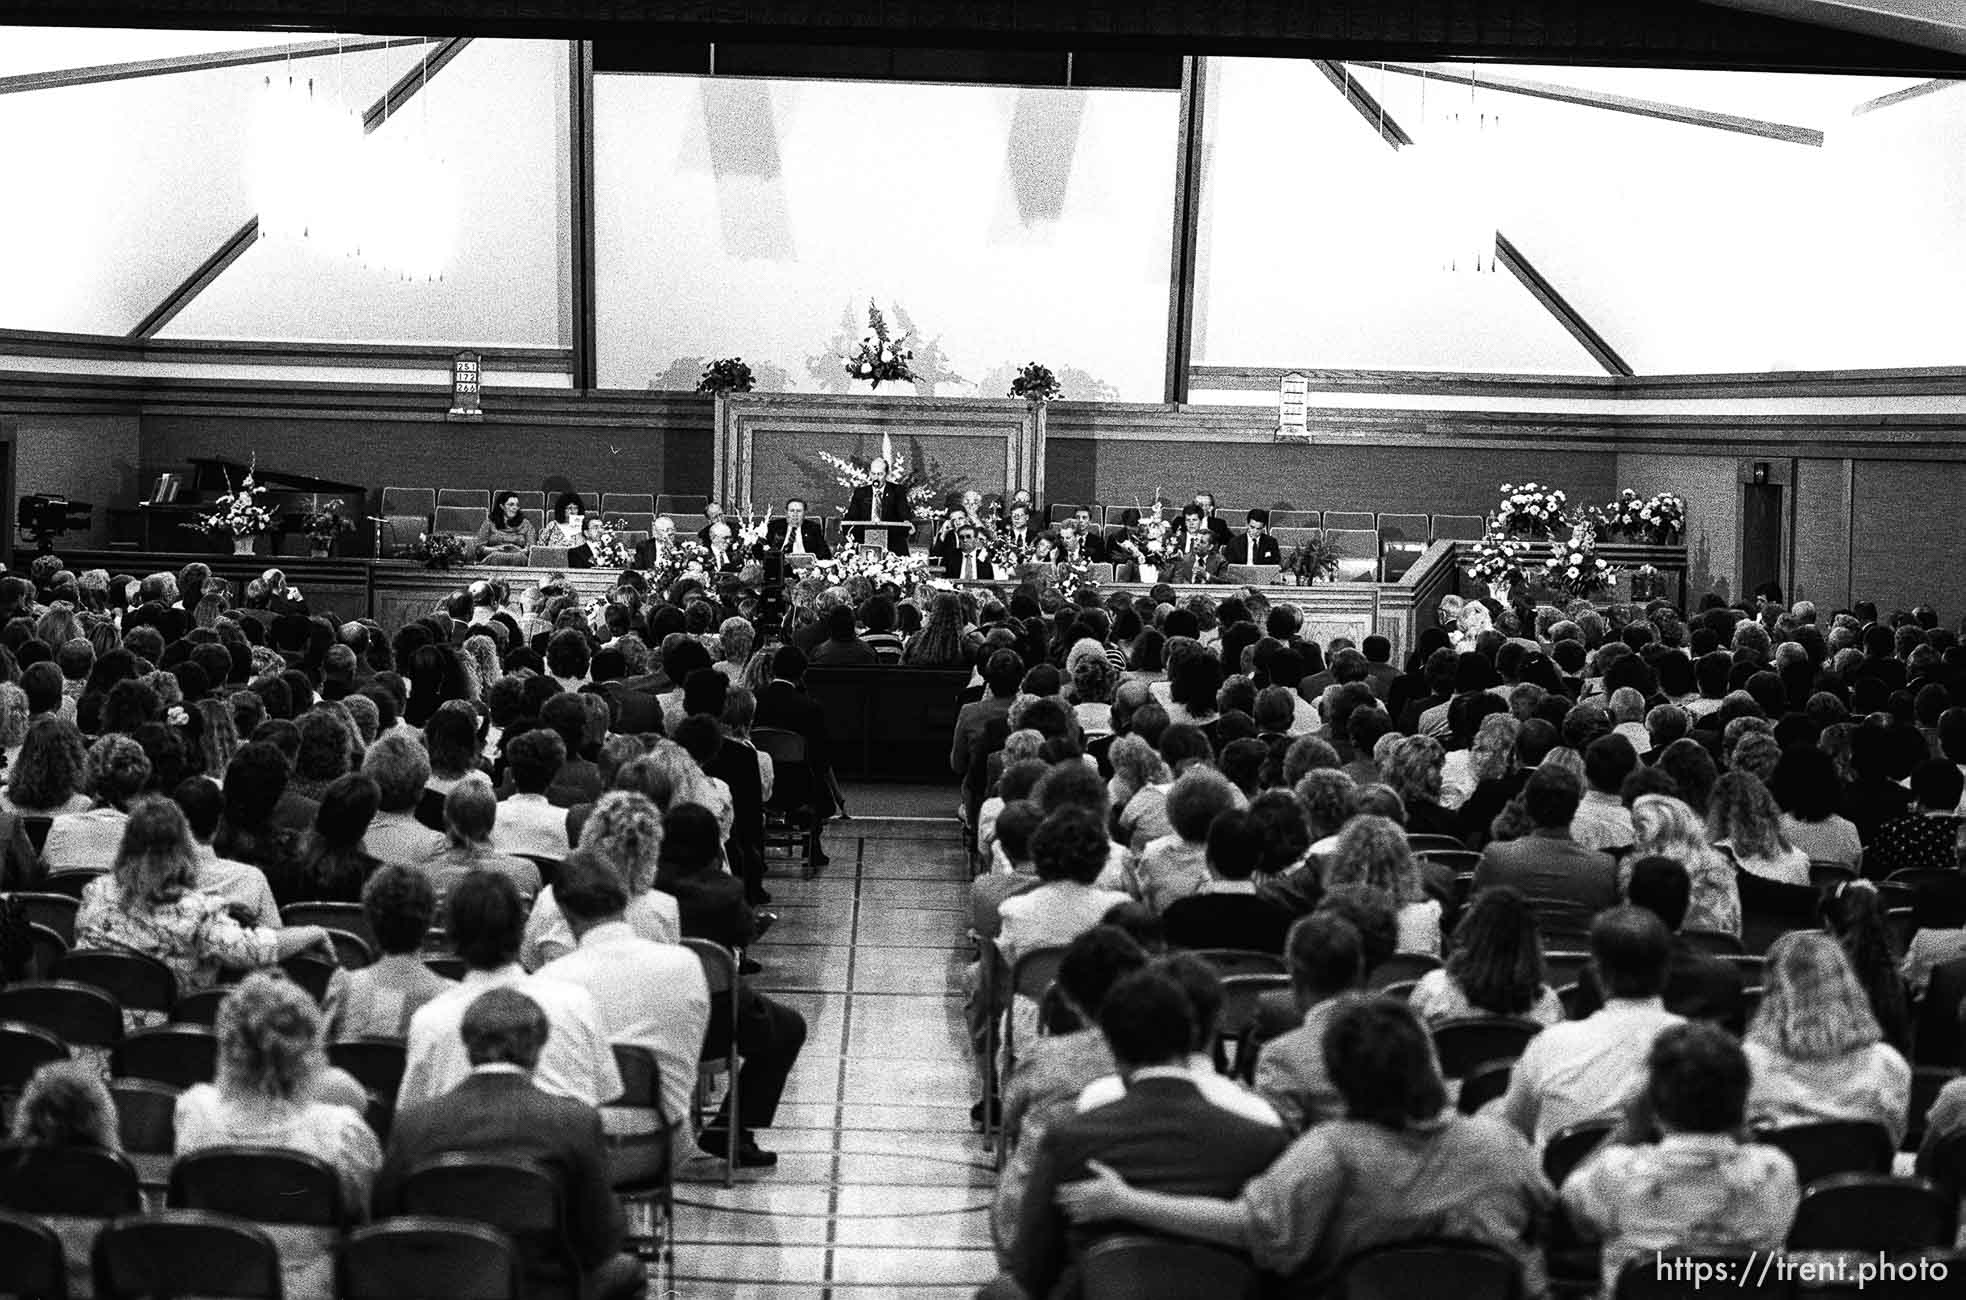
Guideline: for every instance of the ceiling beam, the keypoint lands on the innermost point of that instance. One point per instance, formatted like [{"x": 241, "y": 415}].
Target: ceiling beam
[
  {"x": 60, "y": 78},
  {"x": 1369, "y": 108},
  {"x": 1896, "y": 97},
  {"x": 1554, "y": 302},
  {"x": 1940, "y": 24},
  {"x": 235, "y": 245},
  {"x": 1599, "y": 99}
]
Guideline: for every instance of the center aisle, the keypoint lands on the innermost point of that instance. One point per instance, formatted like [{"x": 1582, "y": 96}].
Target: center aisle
[{"x": 881, "y": 1188}]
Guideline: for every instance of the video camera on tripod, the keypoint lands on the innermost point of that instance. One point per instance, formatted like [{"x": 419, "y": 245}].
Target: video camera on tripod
[{"x": 45, "y": 518}]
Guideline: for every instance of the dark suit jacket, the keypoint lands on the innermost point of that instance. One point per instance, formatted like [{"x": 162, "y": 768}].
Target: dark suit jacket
[
  {"x": 970, "y": 721},
  {"x": 810, "y": 530},
  {"x": 1160, "y": 1136},
  {"x": 1267, "y": 550},
  {"x": 894, "y": 510},
  {"x": 712, "y": 906},
  {"x": 645, "y": 557},
  {"x": 502, "y": 1116},
  {"x": 950, "y": 556},
  {"x": 1565, "y": 882},
  {"x": 736, "y": 765},
  {"x": 835, "y": 653},
  {"x": 789, "y": 708}
]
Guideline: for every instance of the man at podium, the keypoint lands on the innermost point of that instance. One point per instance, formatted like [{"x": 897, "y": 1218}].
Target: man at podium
[{"x": 881, "y": 502}]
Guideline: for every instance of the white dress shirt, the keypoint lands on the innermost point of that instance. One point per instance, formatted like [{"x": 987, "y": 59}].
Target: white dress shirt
[
  {"x": 1582, "y": 1069},
  {"x": 653, "y": 995},
  {"x": 530, "y": 825},
  {"x": 85, "y": 841},
  {"x": 241, "y": 884},
  {"x": 1217, "y": 1090},
  {"x": 652, "y": 914},
  {"x": 576, "y": 1061}
]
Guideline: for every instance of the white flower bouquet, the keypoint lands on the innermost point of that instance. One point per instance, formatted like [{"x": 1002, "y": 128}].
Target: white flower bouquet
[
  {"x": 880, "y": 358},
  {"x": 904, "y": 573},
  {"x": 1497, "y": 560},
  {"x": 1575, "y": 568},
  {"x": 239, "y": 511},
  {"x": 1530, "y": 509}
]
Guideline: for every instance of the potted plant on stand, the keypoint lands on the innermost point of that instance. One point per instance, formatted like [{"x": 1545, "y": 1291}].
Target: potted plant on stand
[
  {"x": 239, "y": 514},
  {"x": 323, "y": 527},
  {"x": 1310, "y": 561}
]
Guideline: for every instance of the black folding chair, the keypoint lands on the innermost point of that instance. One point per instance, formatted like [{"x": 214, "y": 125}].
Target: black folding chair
[
  {"x": 146, "y": 1120},
  {"x": 1484, "y": 1084},
  {"x": 23, "y": 1050},
  {"x": 1464, "y": 1044},
  {"x": 259, "y": 1183},
  {"x": 414, "y": 1255},
  {"x": 376, "y": 1063},
  {"x": 1874, "y": 1214},
  {"x": 1570, "y": 1147},
  {"x": 1835, "y": 1147},
  {"x": 49, "y": 948},
  {"x": 791, "y": 816},
  {"x": 56, "y": 911},
  {"x": 179, "y": 1055},
  {"x": 1131, "y": 1267},
  {"x": 200, "y": 1008},
  {"x": 32, "y": 1266},
  {"x": 347, "y": 917},
  {"x": 310, "y": 972},
  {"x": 514, "y": 1196},
  {"x": 137, "y": 982},
  {"x": 186, "y": 1253},
  {"x": 81, "y": 1015},
  {"x": 641, "y": 1163},
  {"x": 1435, "y": 1269},
  {"x": 720, "y": 972},
  {"x": 82, "y": 1182},
  {"x": 1242, "y": 961},
  {"x": 1401, "y": 967}
]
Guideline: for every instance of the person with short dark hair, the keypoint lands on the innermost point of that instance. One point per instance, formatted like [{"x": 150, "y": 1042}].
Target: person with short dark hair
[
  {"x": 1399, "y": 1165},
  {"x": 378, "y": 1000},
  {"x": 528, "y": 823},
  {"x": 1228, "y": 911},
  {"x": 484, "y": 920},
  {"x": 1327, "y": 963},
  {"x": 1161, "y": 1134},
  {"x": 1699, "y": 1181},
  {"x": 1565, "y": 882},
  {"x": 1602, "y": 820},
  {"x": 1583, "y": 1069},
  {"x": 501, "y": 1107},
  {"x": 1069, "y": 851},
  {"x": 1923, "y": 838},
  {"x": 1176, "y": 864},
  {"x": 1699, "y": 985},
  {"x": 242, "y": 885}
]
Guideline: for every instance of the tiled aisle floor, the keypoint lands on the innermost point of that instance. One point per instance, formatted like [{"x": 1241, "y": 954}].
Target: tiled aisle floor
[{"x": 881, "y": 1188}]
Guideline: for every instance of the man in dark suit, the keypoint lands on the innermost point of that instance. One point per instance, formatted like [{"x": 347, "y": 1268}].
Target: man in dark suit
[
  {"x": 1565, "y": 882},
  {"x": 1002, "y": 672},
  {"x": 725, "y": 554},
  {"x": 1255, "y": 546},
  {"x": 1218, "y": 529},
  {"x": 651, "y": 550},
  {"x": 1193, "y": 536},
  {"x": 498, "y": 1113},
  {"x": 769, "y": 1035},
  {"x": 784, "y": 704},
  {"x": 883, "y": 501},
  {"x": 962, "y": 555},
  {"x": 1020, "y": 526},
  {"x": 1161, "y": 1135},
  {"x": 1699, "y": 985},
  {"x": 794, "y": 534},
  {"x": 736, "y": 765},
  {"x": 712, "y": 515},
  {"x": 1091, "y": 537}
]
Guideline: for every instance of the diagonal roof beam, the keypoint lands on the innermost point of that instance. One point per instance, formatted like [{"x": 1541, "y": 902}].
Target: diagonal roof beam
[
  {"x": 1567, "y": 316},
  {"x": 1651, "y": 108},
  {"x": 1359, "y": 98},
  {"x": 59, "y": 78},
  {"x": 245, "y": 236},
  {"x": 1922, "y": 89}
]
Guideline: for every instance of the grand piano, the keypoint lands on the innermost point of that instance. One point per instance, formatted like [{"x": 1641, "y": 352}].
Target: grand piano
[{"x": 166, "y": 525}]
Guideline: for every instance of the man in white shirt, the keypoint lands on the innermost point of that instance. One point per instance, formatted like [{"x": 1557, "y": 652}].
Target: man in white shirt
[
  {"x": 484, "y": 919},
  {"x": 400, "y": 767},
  {"x": 240, "y": 884},
  {"x": 653, "y": 995},
  {"x": 1586, "y": 1069},
  {"x": 527, "y": 824},
  {"x": 1602, "y": 820}
]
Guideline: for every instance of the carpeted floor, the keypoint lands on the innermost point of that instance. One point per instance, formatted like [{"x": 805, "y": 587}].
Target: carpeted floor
[{"x": 881, "y": 1188}]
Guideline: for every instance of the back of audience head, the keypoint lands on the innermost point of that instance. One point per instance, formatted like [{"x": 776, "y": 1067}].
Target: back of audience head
[
  {"x": 1630, "y": 948},
  {"x": 1381, "y": 1060}
]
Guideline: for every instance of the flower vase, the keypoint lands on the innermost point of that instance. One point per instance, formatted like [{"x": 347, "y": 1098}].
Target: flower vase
[
  {"x": 1149, "y": 573},
  {"x": 245, "y": 543},
  {"x": 319, "y": 548},
  {"x": 1499, "y": 591}
]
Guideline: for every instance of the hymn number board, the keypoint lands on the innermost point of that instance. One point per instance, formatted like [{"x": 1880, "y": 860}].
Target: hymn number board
[
  {"x": 467, "y": 381},
  {"x": 1294, "y": 408}
]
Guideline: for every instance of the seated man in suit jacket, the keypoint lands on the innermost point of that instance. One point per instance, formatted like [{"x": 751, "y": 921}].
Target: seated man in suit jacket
[
  {"x": 651, "y": 550},
  {"x": 735, "y": 764},
  {"x": 498, "y": 1113},
  {"x": 784, "y": 705},
  {"x": 1162, "y": 1135},
  {"x": 1255, "y": 545},
  {"x": 796, "y": 534},
  {"x": 962, "y": 555},
  {"x": 1092, "y": 538},
  {"x": 1565, "y": 882}
]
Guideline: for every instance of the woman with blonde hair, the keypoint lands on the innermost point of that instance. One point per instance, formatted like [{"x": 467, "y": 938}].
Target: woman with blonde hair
[
  {"x": 66, "y": 1106},
  {"x": 218, "y": 737},
  {"x": 1496, "y": 773},
  {"x": 1742, "y": 819},
  {"x": 1372, "y": 851},
  {"x": 147, "y": 903},
  {"x": 13, "y": 722},
  {"x": 1814, "y": 1047},
  {"x": 1413, "y": 770},
  {"x": 625, "y": 831},
  {"x": 480, "y": 654},
  {"x": 736, "y": 638},
  {"x": 58, "y": 626},
  {"x": 1667, "y": 827},
  {"x": 275, "y": 1090}
]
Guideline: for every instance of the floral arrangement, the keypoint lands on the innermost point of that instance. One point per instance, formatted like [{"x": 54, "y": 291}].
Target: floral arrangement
[
  {"x": 1006, "y": 556},
  {"x": 1576, "y": 569},
  {"x": 683, "y": 559},
  {"x": 1151, "y": 541},
  {"x": 1531, "y": 509},
  {"x": 1035, "y": 383},
  {"x": 611, "y": 552},
  {"x": 904, "y": 573},
  {"x": 1073, "y": 576},
  {"x": 880, "y": 358},
  {"x": 1497, "y": 560},
  {"x": 1659, "y": 519},
  {"x": 726, "y": 375},
  {"x": 438, "y": 550},
  {"x": 239, "y": 512},
  {"x": 327, "y": 524},
  {"x": 858, "y": 474},
  {"x": 1312, "y": 560},
  {"x": 747, "y": 529}
]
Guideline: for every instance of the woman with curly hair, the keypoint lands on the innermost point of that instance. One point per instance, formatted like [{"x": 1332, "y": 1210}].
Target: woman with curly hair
[
  {"x": 218, "y": 737},
  {"x": 1666, "y": 827},
  {"x": 625, "y": 831},
  {"x": 1691, "y": 768},
  {"x": 1815, "y": 1049},
  {"x": 941, "y": 643},
  {"x": 1372, "y": 851},
  {"x": 1413, "y": 771},
  {"x": 1093, "y": 682},
  {"x": 1193, "y": 681},
  {"x": 147, "y": 903},
  {"x": 1743, "y": 820},
  {"x": 1495, "y": 969},
  {"x": 275, "y": 1090},
  {"x": 66, "y": 1106},
  {"x": 736, "y": 638},
  {"x": 51, "y": 773},
  {"x": 14, "y": 719},
  {"x": 117, "y": 770},
  {"x": 1497, "y": 775}
]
